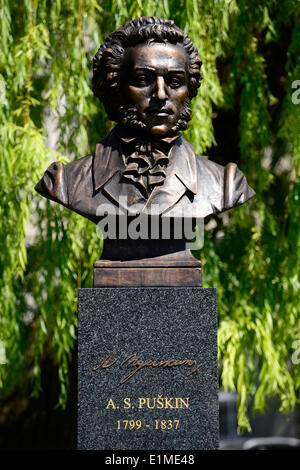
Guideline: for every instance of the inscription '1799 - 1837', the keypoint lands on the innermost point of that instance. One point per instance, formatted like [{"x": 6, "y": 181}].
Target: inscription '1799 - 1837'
[{"x": 138, "y": 364}]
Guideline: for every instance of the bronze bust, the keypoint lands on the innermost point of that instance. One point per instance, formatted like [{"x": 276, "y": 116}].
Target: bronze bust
[{"x": 146, "y": 73}]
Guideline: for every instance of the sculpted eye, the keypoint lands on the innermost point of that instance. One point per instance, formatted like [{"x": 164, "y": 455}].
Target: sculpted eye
[
  {"x": 142, "y": 80},
  {"x": 175, "y": 82}
]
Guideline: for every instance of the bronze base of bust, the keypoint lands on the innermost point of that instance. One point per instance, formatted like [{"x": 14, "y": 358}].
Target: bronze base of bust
[{"x": 180, "y": 269}]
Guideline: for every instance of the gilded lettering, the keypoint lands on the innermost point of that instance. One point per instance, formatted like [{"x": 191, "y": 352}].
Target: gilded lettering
[
  {"x": 142, "y": 402},
  {"x": 182, "y": 402},
  {"x": 153, "y": 401},
  {"x": 127, "y": 403},
  {"x": 168, "y": 403},
  {"x": 110, "y": 404},
  {"x": 163, "y": 402},
  {"x": 159, "y": 401}
]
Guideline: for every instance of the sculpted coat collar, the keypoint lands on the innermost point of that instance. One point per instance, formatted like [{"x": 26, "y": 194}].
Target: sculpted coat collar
[
  {"x": 109, "y": 164},
  {"x": 193, "y": 187}
]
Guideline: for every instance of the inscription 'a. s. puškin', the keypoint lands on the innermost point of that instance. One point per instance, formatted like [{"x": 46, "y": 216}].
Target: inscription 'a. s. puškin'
[{"x": 132, "y": 361}]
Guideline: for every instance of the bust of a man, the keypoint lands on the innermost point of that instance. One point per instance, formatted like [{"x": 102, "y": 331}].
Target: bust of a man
[{"x": 146, "y": 74}]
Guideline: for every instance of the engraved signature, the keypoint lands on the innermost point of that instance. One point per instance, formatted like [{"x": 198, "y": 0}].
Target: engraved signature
[{"x": 138, "y": 364}]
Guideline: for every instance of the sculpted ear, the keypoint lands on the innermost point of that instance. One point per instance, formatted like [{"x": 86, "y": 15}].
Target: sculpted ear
[
  {"x": 53, "y": 184},
  {"x": 236, "y": 189}
]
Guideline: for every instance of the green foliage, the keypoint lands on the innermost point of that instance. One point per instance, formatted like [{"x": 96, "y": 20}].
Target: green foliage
[{"x": 251, "y": 254}]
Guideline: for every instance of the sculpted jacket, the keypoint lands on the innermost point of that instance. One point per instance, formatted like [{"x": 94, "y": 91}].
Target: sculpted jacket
[{"x": 193, "y": 186}]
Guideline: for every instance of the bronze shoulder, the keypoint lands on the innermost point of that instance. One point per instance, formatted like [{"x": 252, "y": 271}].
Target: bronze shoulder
[
  {"x": 224, "y": 187},
  {"x": 236, "y": 189},
  {"x": 61, "y": 181},
  {"x": 53, "y": 184}
]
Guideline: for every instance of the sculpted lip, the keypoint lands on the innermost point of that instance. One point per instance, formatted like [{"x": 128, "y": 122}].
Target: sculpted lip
[{"x": 158, "y": 111}]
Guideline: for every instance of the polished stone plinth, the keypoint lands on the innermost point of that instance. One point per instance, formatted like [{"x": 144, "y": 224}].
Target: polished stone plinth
[{"x": 147, "y": 368}]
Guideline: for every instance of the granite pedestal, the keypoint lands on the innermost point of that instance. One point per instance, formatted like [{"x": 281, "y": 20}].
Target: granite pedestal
[{"x": 147, "y": 368}]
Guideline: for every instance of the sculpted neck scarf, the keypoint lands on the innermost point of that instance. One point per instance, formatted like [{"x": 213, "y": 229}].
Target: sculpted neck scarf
[{"x": 146, "y": 161}]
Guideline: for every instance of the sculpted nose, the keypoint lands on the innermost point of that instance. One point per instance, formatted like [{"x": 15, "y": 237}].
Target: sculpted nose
[{"x": 160, "y": 89}]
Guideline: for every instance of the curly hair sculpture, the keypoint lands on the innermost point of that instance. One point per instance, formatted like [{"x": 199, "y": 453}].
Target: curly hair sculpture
[{"x": 108, "y": 59}]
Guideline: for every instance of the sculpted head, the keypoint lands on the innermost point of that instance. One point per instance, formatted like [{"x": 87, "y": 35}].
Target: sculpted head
[{"x": 145, "y": 74}]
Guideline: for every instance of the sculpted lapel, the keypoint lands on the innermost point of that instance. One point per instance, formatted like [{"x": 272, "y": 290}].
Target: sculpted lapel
[{"x": 181, "y": 175}]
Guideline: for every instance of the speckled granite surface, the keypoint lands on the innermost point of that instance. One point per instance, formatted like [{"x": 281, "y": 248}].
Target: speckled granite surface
[{"x": 147, "y": 368}]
